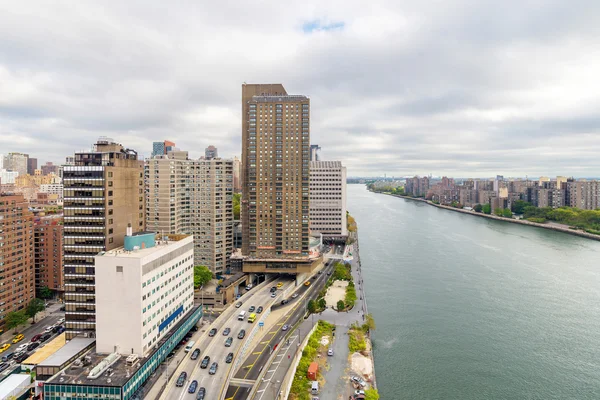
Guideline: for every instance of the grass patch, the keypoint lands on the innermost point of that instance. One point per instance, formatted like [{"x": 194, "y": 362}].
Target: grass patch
[
  {"x": 536, "y": 219},
  {"x": 301, "y": 384},
  {"x": 350, "y": 298}
]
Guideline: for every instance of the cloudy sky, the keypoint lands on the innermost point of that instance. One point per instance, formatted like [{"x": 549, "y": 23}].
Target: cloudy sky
[{"x": 463, "y": 88}]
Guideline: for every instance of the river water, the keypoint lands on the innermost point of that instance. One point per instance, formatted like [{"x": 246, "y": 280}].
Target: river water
[{"x": 471, "y": 308}]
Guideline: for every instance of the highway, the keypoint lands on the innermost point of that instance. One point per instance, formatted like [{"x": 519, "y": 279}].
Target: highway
[
  {"x": 258, "y": 357},
  {"x": 214, "y": 347}
]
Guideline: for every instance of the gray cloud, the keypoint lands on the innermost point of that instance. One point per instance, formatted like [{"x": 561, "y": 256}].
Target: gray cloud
[{"x": 460, "y": 88}]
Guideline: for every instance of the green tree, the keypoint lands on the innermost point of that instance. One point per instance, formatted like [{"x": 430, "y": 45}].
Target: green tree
[
  {"x": 487, "y": 209},
  {"x": 498, "y": 211},
  {"x": 322, "y": 304},
  {"x": 202, "y": 275},
  {"x": 312, "y": 306},
  {"x": 371, "y": 394},
  {"x": 478, "y": 208},
  {"x": 341, "y": 305},
  {"x": 506, "y": 213},
  {"x": 518, "y": 206},
  {"x": 369, "y": 324},
  {"x": 34, "y": 307},
  {"x": 46, "y": 293},
  {"x": 15, "y": 319},
  {"x": 236, "y": 206}
]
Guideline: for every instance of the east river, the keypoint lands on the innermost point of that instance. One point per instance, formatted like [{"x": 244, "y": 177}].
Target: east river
[{"x": 471, "y": 308}]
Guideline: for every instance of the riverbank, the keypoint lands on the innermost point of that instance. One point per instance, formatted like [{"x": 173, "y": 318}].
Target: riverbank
[{"x": 554, "y": 227}]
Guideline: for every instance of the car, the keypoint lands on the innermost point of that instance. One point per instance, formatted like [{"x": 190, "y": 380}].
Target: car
[
  {"x": 251, "y": 309},
  {"x": 228, "y": 342},
  {"x": 213, "y": 368},
  {"x": 229, "y": 358},
  {"x": 279, "y": 285},
  {"x": 181, "y": 379},
  {"x": 61, "y": 329},
  {"x": 60, "y": 321},
  {"x": 294, "y": 295},
  {"x": 329, "y": 273},
  {"x": 4, "y": 347},
  {"x": 3, "y": 366},
  {"x": 273, "y": 289},
  {"x": 195, "y": 328},
  {"x": 238, "y": 296},
  {"x": 193, "y": 387},
  {"x": 36, "y": 337},
  {"x": 57, "y": 328},
  {"x": 205, "y": 362},
  {"x": 195, "y": 354},
  {"x": 285, "y": 327},
  {"x": 307, "y": 283},
  {"x": 201, "y": 393},
  {"x": 242, "y": 334},
  {"x": 63, "y": 308},
  {"x": 259, "y": 310},
  {"x": 330, "y": 352},
  {"x": 33, "y": 346},
  {"x": 18, "y": 338},
  {"x": 49, "y": 329},
  {"x": 358, "y": 381},
  {"x": 357, "y": 392},
  {"x": 21, "y": 357},
  {"x": 238, "y": 304},
  {"x": 21, "y": 347},
  {"x": 273, "y": 295},
  {"x": 226, "y": 331},
  {"x": 8, "y": 357},
  {"x": 45, "y": 337},
  {"x": 284, "y": 301},
  {"x": 212, "y": 332},
  {"x": 320, "y": 272}
]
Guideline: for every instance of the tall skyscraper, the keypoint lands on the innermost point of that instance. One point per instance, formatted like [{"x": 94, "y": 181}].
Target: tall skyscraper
[
  {"x": 16, "y": 162},
  {"x": 16, "y": 255},
  {"x": 328, "y": 199},
  {"x": 103, "y": 194},
  {"x": 31, "y": 165},
  {"x": 275, "y": 177},
  {"x": 48, "y": 235},
  {"x": 193, "y": 197},
  {"x": 237, "y": 172},
  {"x": 211, "y": 152},
  {"x": 314, "y": 152}
]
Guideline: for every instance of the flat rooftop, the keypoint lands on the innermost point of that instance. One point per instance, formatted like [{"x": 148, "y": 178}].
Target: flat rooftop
[
  {"x": 164, "y": 242},
  {"x": 48, "y": 350},
  {"x": 120, "y": 373},
  {"x": 66, "y": 352}
]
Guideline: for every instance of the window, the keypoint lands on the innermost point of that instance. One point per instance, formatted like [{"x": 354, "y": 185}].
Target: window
[{"x": 119, "y": 268}]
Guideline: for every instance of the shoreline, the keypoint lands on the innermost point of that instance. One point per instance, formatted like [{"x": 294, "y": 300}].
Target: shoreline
[{"x": 562, "y": 229}]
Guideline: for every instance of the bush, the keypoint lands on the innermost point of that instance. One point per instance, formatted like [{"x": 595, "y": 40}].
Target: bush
[
  {"x": 350, "y": 298},
  {"x": 538, "y": 220},
  {"x": 357, "y": 341},
  {"x": 371, "y": 394},
  {"x": 341, "y": 305}
]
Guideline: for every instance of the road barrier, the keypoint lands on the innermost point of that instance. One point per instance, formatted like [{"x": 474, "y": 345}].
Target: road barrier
[{"x": 289, "y": 377}]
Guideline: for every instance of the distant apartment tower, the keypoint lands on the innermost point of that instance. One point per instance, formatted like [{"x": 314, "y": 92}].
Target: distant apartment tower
[
  {"x": 275, "y": 174},
  {"x": 143, "y": 290},
  {"x": 53, "y": 188},
  {"x": 314, "y": 152},
  {"x": 211, "y": 152},
  {"x": 193, "y": 197},
  {"x": 8, "y": 177},
  {"x": 159, "y": 148},
  {"x": 237, "y": 172},
  {"x": 103, "y": 194},
  {"x": 583, "y": 194},
  {"x": 16, "y": 255},
  {"x": 417, "y": 186},
  {"x": 328, "y": 199},
  {"x": 16, "y": 162},
  {"x": 48, "y": 241},
  {"x": 31, "y": 165},
  {"x": 50, "y": 168}
]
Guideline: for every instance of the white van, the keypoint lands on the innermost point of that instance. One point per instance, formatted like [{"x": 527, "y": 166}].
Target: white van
[
  {"x": 314, "y": 388},
  {"x": 242, "y": 315},
  {"x": 189, "y": 346}
]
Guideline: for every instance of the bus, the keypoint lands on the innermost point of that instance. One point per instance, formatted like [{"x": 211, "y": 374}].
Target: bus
[
  {"x": 189, "y": 346},
  {"x": 242, "y": 315},
  {"x": 251, "y": 318}
]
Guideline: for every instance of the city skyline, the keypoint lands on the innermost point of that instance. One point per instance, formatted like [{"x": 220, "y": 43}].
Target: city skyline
[{"x": 398, "y": 88}]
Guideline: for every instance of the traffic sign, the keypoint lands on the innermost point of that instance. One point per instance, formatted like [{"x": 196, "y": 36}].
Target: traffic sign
[{"x": 261, "y": 324}]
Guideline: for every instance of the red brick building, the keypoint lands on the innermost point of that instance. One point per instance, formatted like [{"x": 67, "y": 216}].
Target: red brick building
[
  {"x": 48, "y": 240},
  {"x": 17, "y": 284}
]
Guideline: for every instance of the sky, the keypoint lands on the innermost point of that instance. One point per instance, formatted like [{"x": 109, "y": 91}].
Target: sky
[{"x": 453, "y": 87}]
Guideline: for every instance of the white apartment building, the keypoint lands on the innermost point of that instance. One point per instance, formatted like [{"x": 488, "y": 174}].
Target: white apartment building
[
  {"x": 327, "y": 194},
  {"x": 53, "y": 188},
  {"x": 142, "y": 290},
  {"x": 8, "y": 177},
  {"x": 193, "y": 197}
]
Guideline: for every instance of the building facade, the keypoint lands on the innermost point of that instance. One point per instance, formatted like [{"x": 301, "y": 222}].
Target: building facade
[
  {"x": 31, "y": 165},
  {"x": 237, "y": 172},
  {"x": 161, "y": 148},
  {"x": 8, "y": 177},
  {"x": 193, "y": 197},
  {"x": 48, "y": 245},
  {"x": 314, "y": 152},
  {"x": 211, "y": 152},
  {"x": 16, "y": 162},
  {"x": 417, "y": 187},
  {"x": 103, "y": 194},
  {"x": 584, "y": 194},
  {"x": 143, "y": 289},
  {"x": 328, "y": 199},
  {"x": 16, "y": 255},
  {"x": 50, "y": 168},
  {"x": 53, "y": 188},
  {"x": 275, "y": 172}
]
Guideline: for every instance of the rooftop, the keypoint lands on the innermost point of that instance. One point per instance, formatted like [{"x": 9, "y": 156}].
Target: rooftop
[
  {"x": 14, "y": 385},
  {"x": 66, "y": 352},
  {"x": 119, "y": 373},
  {"x": 277, "y": 99},
  {"x": 161, "y": 243},
  {"x": 47, "y": 351}
]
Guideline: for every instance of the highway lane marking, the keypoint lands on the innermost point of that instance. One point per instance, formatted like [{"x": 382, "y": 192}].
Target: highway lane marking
[
  {"x": 265, "y": 342},
  {"x": 276, "y": 362},
  {"x": 260, "y": 391},
  {"x": 272, "y": 370},
  {"x": 273, "y": 332},
  {"x": 256, "y": 352}
]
